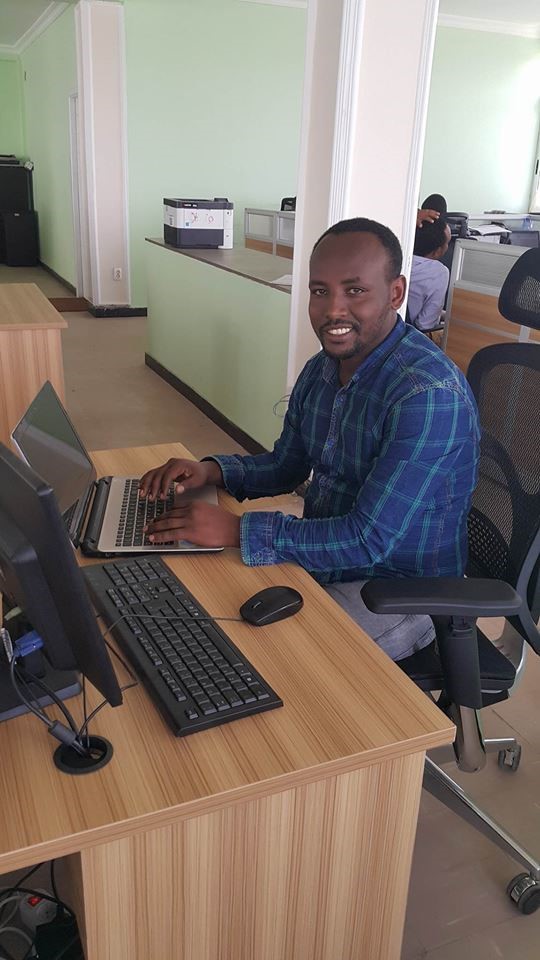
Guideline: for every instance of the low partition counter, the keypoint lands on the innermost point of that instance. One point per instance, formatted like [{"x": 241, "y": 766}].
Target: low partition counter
[
  {"x": 218, "y": 329},
  {"x": 30, "y": 350}
]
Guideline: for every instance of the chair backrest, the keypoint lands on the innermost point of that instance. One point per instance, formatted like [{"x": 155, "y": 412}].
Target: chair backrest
[
  {"x": 288, "y": 203},
  {"x": 504, "y": 522},
  {"x": 525, "y": 238},
  {"x": 458, "y": 223}
]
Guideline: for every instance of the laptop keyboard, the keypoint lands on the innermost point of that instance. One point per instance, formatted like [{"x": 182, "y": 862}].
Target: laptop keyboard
[
  {"x": 195, "y": 673},
  {"x": 136, "y": 513}
]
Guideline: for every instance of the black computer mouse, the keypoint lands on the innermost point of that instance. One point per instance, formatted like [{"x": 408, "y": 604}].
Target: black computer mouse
[{"x": 271, "y": 604}]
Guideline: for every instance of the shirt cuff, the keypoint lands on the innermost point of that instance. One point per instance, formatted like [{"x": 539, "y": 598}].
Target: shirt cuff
[
  {"x": 257, "y": 539},
  {"x": 233, "y": 474}
]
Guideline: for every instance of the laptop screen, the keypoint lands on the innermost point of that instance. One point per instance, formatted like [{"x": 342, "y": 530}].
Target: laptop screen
[{"x": 47, "y": 440}]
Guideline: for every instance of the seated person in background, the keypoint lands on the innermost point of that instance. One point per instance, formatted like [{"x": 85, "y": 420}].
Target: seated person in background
[
  {"x": 432, "y": 208},
  {"x": 388, "y": 426},
  {"x": 429, "y": 278},
  {"x": 437, "y": 202}
]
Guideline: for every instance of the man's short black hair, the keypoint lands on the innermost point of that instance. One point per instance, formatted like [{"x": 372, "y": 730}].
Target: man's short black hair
[
  {"x": 429, "y": 237},
  {"x": 362, "y": 225}
]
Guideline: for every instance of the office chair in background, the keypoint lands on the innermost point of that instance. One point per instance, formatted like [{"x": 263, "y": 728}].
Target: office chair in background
[
  {"x": 288, "y": 203},
  {"x": 525, "y": 238},
  {"x": 503, "y": 572}
]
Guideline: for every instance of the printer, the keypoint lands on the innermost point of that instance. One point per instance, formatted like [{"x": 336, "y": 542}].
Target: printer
[{"x": 198, "y": 223}]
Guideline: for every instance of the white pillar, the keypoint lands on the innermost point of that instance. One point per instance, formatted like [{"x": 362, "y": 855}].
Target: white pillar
[
  {"x": 103, "y": 151},
  {"x": 366, "y": 88}
]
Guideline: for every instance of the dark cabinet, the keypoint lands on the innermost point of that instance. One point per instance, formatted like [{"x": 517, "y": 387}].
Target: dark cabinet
[{"x": 19, "y": 238}]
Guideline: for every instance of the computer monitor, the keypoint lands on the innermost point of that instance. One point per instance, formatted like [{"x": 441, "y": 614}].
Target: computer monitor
[
  {"x": 525, "y": 238},
  {"x": 39, "y": 574}
]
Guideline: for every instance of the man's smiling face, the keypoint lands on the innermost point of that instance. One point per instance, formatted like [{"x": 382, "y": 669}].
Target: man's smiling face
[{"x": 353, "y": 299}]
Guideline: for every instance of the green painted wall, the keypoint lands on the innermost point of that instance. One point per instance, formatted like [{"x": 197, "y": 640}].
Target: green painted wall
[
  {"x": 51, "y": 76},
  {"x": 11, "y": 108},
  {"x": 233, "y": 351},
  {"x": 214, "y": 90},
  {"x": 483, "y": 120}
]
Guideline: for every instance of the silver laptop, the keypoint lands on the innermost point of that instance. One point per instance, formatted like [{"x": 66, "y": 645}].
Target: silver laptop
[{"x": 104, "y": 517}]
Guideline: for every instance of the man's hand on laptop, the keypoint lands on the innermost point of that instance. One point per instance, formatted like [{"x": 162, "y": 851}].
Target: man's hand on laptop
[
  {"x": 203, "y": 524},
  {"x": 190, "y": 475}
]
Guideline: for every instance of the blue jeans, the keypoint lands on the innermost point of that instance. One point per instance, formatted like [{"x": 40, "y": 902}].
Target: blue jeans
[{"x": 397, "y": 634}]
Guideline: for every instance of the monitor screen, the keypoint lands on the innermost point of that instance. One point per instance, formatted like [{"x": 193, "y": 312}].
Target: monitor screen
[
  {"x": 48, "y": 442},
  {"x": 39, "y": 574}
]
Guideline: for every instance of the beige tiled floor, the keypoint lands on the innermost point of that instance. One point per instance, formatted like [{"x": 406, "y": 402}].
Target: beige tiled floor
[{"x": 457, "y": 909}]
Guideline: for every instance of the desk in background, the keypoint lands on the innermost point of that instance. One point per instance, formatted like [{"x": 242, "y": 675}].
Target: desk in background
[
  {"x": 30, "y": 350},
  {"x": 283, "y": 836}
]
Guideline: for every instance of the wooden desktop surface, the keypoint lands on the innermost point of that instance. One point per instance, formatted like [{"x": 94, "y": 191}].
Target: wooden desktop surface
[
  {"x": 24, "y": 306},
  {"x": 346, "y": 705},
  {"x": 283, "y": 836}
]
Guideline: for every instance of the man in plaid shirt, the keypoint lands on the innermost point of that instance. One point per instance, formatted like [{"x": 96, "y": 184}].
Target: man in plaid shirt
[{"x": 387, "y": 428}]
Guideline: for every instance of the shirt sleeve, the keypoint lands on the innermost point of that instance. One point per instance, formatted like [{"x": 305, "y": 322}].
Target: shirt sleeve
[
  {"x": 269, "y": 474},
  {"x": 433, "y": 302},
  {"x": 428, "y": 439}
]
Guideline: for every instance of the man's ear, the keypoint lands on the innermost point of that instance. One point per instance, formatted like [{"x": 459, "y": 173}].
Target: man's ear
[{"x": 398, "y": 290}]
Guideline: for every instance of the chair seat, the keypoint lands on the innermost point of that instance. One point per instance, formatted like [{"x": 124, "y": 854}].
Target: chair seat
[{"x": 496, "y": 671}]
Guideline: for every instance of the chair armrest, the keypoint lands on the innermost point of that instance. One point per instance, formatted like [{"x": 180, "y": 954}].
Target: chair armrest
[{"x": 442, "y": 596}]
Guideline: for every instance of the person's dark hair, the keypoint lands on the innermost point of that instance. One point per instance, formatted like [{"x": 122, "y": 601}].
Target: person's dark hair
[
  {"x": 362, "y": 225},
  {"x": 435, "y": 201},
  {"x": 429, "y": 237}
]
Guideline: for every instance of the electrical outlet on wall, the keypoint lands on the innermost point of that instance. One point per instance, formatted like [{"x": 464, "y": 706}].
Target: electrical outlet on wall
[{"x": 117, "y": 273}]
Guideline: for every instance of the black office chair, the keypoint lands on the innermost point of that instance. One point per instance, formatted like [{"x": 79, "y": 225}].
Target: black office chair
[
  {"x": 458, "y": 223},
  {"x": 503, "y": 572},
  {"x": 288, "y": 203}
]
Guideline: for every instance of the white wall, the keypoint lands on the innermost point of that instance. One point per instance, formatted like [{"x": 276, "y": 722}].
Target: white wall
[{"x": 103, "y": 166}]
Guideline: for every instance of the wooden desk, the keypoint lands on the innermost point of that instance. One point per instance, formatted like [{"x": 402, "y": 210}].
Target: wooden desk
[
  {"x": 30, "y": 350},
  {"x": 285, "y": 836}
]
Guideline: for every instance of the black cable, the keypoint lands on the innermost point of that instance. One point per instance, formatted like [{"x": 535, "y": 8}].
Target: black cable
[
  {"x": 24, "y": 878},
  {"x": 100, "y": 706},
  {"x": 36, "y": 711},
  {"x": 30, "y": 678},
  {"x": 53, "y": 881},
  {"x": 85, "y": 712}
]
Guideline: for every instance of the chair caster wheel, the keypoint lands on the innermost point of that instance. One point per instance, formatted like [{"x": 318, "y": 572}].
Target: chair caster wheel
[
  {"x": 509, "y": 759},
  {"x": 524, "y": 891}
]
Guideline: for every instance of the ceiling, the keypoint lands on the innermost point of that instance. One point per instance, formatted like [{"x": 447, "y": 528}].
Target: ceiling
[{"x": 17, "y": 17}]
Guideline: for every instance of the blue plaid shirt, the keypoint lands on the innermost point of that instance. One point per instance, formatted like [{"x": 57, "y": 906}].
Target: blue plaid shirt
[{"x": 394, "y": 458}]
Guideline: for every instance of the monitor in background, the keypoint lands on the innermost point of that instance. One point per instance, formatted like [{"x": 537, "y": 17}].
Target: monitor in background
[
  {"x": 525, "y": 238},
  {"x": 39, "y": 575}
]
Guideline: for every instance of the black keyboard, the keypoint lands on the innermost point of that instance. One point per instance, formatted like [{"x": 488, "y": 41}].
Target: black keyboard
[
  {"x": 135, "y": 513},
  {"x": 194, "y": 672}
]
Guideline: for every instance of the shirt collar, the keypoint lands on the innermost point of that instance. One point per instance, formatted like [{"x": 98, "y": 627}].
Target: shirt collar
[{"x": 375, "y": 359}]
